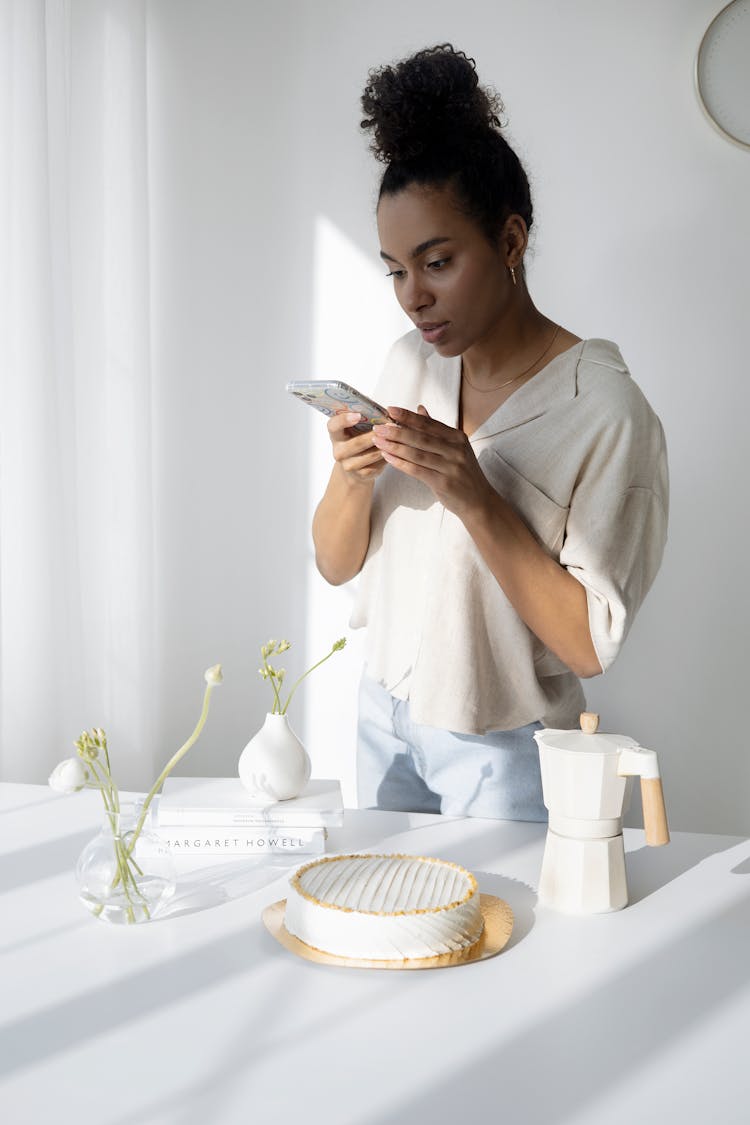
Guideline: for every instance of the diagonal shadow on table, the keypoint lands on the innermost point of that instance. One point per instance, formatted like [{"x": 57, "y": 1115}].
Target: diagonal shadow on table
[
  {"x": 51, "y": 934},
  {"x": 487, "y": 842},
  {"x": 649, "y": 869},
  {"x": 210, "y": 886},
  {"x": 41, "y": 861},
  {"x": 213, "y": 1098},
  {"x": 71, "y": 1022},
  {"x": 581, "y": 1049},
  {"x": 555, "y": 1068},
  {"x": 49, "y": 799},
  {"x": 69, "y": 1025}
]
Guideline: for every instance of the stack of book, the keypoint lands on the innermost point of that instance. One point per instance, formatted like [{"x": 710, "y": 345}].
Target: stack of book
[{"x": 200, "y": 816}]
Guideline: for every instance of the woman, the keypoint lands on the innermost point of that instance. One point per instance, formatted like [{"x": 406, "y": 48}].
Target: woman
[{"x": 511, "y": 517}]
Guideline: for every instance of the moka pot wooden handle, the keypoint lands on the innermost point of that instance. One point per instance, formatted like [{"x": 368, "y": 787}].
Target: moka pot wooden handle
[
  {"x": 639, "y": 762},
  {"x": 654, "y": 812}
]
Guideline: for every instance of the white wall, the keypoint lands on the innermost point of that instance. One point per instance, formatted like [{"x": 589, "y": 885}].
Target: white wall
[{"x": 265, "y": 261}]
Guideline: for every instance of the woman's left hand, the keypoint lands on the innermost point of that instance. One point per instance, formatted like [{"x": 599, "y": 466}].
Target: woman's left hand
[{"x": 436, "y": 454}]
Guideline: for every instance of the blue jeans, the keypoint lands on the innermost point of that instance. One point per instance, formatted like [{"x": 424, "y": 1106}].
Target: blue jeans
[{"x": 414, "y": 768}]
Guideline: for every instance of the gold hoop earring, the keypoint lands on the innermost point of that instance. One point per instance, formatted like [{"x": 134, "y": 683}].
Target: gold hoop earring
[{"x": 513, "y": 275}]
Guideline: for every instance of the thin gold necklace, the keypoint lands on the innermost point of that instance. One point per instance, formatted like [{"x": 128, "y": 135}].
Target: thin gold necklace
[{"x": 499, "y": 387}]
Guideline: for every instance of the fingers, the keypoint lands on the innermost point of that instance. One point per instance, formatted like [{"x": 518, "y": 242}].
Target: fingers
[
  {"x": 420, "y": 430},
  {"x": 354, "y": 448},
  {"x": 354, "y": 463},
  {"x": 423, "y": 445},
  {"x": 347, "y": 443},
  {"x": 420, "y": 421},
  {"x": 355, "y": 453},
  {"x": 413, "y": 442},
  {"x": 344, "y": 420},
  {"x": 367, "y": 472},
  {"x": 412, "y": 467},
  {"x": 415, "y": 452}
]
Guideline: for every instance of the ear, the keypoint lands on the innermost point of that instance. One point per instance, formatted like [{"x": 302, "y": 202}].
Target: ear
[{"x": 513, "y": 240}]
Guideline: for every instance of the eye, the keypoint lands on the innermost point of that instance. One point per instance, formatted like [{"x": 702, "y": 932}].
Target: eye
[
  {"x": 398, "y": 274},
  {"x": 438, "y": 263}
]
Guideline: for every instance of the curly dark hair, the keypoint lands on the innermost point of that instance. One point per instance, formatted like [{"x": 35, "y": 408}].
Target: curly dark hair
[{"x": 433, "y": 124}]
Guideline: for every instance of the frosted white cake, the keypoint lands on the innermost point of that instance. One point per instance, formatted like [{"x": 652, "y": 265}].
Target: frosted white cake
[{"x": 384, "y": 907}]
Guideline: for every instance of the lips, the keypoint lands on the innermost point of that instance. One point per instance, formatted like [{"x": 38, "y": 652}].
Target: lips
[{"x": 432, "y": 331}]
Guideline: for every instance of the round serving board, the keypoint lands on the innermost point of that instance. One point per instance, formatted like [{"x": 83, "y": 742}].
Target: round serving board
[{"x": 498, "y": 925}]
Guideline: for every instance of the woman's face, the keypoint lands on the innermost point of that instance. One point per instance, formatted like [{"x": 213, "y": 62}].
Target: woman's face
[{"x": 447, "y": 277}]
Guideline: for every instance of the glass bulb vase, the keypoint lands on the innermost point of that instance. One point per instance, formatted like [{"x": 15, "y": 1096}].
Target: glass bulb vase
[{"x": 123, "y": 880}]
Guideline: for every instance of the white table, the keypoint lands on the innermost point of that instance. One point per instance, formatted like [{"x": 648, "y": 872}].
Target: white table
[{"x": 203, "y": 1019}]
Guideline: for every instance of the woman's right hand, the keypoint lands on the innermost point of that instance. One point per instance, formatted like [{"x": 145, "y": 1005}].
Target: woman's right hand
[
  {"x": 355, "y": 453},
  {"x": 341, "y": 524}
]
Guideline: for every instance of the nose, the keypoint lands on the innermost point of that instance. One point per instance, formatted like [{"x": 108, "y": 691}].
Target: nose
[{"x": 414, "y": 295}]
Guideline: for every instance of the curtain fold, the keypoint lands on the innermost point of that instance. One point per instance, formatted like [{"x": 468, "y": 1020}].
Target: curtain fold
[{"x": 78, "y": 631}]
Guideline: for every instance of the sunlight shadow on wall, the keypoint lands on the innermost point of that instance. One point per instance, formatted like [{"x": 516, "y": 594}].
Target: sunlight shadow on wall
[{"x": 355, "y": 319}]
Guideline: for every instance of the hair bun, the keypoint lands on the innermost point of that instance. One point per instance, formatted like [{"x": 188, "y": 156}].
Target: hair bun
[{"x": 433, "y": 97}]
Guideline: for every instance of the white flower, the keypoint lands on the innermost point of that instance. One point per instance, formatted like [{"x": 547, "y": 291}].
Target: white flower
[
  {"x": 69, "y": 776},
  {"x": 213, "y": 675}
]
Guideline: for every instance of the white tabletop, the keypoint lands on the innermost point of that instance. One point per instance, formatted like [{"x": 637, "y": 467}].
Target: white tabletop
[{"x": 201, "y": 1018}]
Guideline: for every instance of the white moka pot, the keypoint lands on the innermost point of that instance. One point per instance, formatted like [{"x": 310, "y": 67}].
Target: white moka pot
[
  {"x": 586, "y": 781},
  {"x": 274, "y": 766}
]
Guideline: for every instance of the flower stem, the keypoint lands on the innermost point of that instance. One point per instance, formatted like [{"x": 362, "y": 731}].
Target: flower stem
[
  {"x": 302, "y": 677},
  {"x": 276, "y": 709},
  {"x": 170, "y": 766},
  {"x": 126, "y": 876},
  {"x": 107, "y": 788}
]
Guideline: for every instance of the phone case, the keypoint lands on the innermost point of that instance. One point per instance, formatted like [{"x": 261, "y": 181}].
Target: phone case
[{"x": 330, "y": 396}]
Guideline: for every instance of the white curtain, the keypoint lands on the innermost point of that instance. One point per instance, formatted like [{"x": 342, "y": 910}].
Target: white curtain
[{"x": 78, "y": 637}]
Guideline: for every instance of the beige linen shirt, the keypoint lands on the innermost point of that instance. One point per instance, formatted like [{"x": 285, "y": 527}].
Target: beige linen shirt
[{"x": 580, "y": 455}]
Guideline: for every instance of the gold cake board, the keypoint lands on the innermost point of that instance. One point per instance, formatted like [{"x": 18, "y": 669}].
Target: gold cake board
[{"x": 498, "y": 925}]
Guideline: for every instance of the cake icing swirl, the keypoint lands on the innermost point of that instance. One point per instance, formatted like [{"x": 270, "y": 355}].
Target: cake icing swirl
[{"x": 384, "y": 907}]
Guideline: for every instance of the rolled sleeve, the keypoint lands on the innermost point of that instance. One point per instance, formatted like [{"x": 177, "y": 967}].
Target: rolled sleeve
[{"x": 615, "y": 536}]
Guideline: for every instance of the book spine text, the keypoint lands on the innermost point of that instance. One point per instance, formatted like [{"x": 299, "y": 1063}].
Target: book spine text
[{"x": 191, "y": 840}]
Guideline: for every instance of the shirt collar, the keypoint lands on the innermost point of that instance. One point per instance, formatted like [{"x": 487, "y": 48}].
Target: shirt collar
[{"x": 555, "y": 383}]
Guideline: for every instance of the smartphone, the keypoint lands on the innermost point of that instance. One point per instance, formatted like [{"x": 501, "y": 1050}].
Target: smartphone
[{"x": 330, "y": 396}]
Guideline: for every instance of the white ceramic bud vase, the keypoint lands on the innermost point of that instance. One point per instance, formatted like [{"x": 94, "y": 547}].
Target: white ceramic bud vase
[{"x": 274, "y": 766}]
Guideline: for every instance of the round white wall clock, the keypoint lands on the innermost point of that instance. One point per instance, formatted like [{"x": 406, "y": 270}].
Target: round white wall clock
[{"x": 722, "y": 72}]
